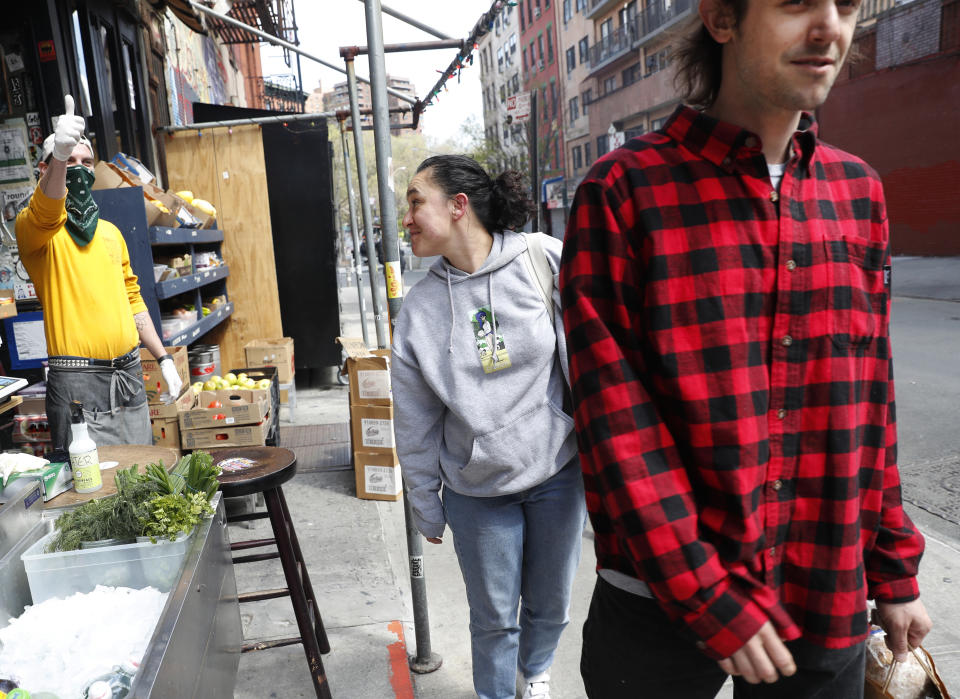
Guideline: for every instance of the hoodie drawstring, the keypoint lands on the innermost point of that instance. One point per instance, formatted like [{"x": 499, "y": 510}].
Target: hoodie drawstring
[
  {"x": 452, "y": 314},
  {"x": 493, "y": 316}
]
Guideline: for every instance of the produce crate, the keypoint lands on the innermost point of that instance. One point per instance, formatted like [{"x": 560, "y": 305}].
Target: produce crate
[
  {"x": 273, "y": 419},
  {"x": 136, "y": 565}
]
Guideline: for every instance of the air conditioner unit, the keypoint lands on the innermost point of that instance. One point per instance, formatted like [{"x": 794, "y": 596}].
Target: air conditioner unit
[
  {"x": 540, "y": 65},
  {"x": 536, "y": 11}
]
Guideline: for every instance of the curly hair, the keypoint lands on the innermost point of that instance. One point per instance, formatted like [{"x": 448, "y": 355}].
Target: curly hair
[{"x": 501, "y": 203}]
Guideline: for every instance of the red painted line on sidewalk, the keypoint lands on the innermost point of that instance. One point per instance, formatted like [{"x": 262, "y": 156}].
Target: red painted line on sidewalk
[{"x": 399, "y": 665}]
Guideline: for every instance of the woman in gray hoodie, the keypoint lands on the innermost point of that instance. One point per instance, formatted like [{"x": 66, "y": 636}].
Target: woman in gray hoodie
[{"x": 483, "y": 439}]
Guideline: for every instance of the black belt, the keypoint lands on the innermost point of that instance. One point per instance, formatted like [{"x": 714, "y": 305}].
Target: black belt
[{"x": 67, "y": 362}]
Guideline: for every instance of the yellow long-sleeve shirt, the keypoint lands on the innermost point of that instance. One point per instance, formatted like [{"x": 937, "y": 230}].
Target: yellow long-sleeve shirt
[{"x": 89, "y": 294}]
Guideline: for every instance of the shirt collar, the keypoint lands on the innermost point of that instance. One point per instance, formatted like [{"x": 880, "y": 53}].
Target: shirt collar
[{"x": 729, "y": 146}]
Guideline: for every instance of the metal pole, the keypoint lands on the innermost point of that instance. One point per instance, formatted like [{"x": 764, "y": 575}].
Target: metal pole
[
  {"x": 379, "y": 317},
  {"x": 425, "y": 660},
  {"x": 286, "y": 44},
  {"x": 281, "y": 119},
  {"x": 358, "y": 271},
  {"x": 414, "y": 46},
  {"x": 411, "y": 21},
  {"x": 534, "y": 158}
]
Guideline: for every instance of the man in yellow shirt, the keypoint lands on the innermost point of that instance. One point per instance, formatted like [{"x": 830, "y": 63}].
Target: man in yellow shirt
[{"x": 94, "y": 318}]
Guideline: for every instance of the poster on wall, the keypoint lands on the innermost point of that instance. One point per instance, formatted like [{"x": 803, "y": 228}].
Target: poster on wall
[{"x": 16, "y": 187}]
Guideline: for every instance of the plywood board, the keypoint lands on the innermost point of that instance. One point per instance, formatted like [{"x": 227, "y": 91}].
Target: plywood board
[{"x": 227, "y": 166}]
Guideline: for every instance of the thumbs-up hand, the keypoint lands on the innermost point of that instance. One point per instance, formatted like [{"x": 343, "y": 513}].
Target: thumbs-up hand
[{"x": 68, "y": 132}]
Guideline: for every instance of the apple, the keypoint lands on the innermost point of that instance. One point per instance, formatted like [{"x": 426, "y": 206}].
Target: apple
[
  {"x": 241, "y": 377},
  {"x": 231, "y": 378},
  {"x": 263, "y": 384},
  {"x": 249, "y": 383},
  {"x": 197, "y": 387},
  {"x": 216, "y": 378},
  {"x": 210, "y": 385}
]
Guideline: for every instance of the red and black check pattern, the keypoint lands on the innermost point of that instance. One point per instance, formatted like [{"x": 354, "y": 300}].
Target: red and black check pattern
[{"x": 730, "y": 359}]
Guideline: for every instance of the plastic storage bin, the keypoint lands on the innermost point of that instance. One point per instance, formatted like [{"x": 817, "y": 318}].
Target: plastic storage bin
[{"x": 126, "y": 565}]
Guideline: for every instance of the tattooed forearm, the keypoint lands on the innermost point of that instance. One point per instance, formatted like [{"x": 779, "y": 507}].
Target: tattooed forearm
[{"x": 141, "y": 320}]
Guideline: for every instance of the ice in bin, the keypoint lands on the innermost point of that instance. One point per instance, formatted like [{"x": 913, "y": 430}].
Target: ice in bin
[{"x": 136, "y": 565}]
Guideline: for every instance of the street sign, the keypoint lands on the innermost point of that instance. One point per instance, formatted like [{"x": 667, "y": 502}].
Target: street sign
[
  {"x": 518, "y": 107},
  {"x": 617, "y": 138}
]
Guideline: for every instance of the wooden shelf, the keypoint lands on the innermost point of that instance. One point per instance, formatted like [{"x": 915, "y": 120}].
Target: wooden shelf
[
  {"x": 161, "y": 235},
  {"x": 195, "y": 331},
  {"x": 179, "y": 285}
]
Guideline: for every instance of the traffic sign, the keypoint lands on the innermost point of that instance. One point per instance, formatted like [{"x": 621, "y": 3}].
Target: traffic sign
[{"x": 518, "y": 107}]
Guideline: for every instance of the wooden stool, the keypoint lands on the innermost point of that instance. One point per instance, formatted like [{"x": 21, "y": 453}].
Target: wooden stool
[{"x": 250, "y": 470}]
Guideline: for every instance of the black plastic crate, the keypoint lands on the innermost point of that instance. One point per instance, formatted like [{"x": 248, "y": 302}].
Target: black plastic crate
[{"x": 268, "y": 372}]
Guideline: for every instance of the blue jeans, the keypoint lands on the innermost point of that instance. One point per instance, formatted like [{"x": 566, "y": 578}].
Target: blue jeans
[{"x": 517, "y": 549}]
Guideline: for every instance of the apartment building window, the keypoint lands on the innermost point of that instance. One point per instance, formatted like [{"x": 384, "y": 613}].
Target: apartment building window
[
  {"x": 633, "y": 132},
  {"x": 573, "y": 109},
  {"x": 515, "y": 82},
  {"x": 587, "y": 156},
  {"x": 512, "y": 43},
  {"x": 577, "y": 156},
  {"x": 581, "y": 5},
  {"x": 523, "y": 24},
  {"x": 658, "y": 61},
  {"x": 529, "y": 11},
  {"x": 567, "y": 11},
  {"x": 546, "y": 105},
  {"x": 609, "y": 84},
  {"x": 585, "y": 99},
  {"x": 547, "y": 4},
  {"x": 571, "y": 59},
  {"x": 628, "y": 13},
  {"x": 632, "y": 74},
  {"x": 536, "y": 8},
  {"x": 533, "y": 59},
  {"x": 603, "y": 144},
  {"x": 549, "y": 43},
  {"x": 506, "y": 15},
  {"x": 553, "y": 96},
  {"x": 583, "y": 46},
  {"x": 496, "y": 25},
  {"x": 506, "y": 133},
  {"x": 503, "y": 94},
  {"x": 606, "y": 29},
  {"x": 540, "y": 47},
  {"x": 500, "y": 60},
  {"x": 658, "y": 123},
  {"x": 524, "y": 59}
]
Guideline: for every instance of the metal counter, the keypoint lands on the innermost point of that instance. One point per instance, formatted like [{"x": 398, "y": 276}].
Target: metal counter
[{"x": 195, "y": 647}]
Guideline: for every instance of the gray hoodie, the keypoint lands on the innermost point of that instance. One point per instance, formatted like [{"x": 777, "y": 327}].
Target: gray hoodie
[{"x": 477, "y": 411}]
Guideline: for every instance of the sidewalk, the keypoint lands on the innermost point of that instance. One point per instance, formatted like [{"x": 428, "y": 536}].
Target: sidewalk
[{"x": 356, "y": 555}]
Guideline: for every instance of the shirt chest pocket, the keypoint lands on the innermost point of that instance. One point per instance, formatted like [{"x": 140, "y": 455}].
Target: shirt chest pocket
[{"x": 857, "y": 296}]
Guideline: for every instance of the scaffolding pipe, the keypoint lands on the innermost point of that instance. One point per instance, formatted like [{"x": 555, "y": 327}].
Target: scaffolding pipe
[
  {"x": 409, "y": 46},
  {"x": 425, "y": 659},
  {"x": 379, "y": 316},
  {"x": 412, "y": 22},
  {"x": 358, "y": 270},
  {"x": 286, "y": 44},
  {"x": 229, "y": 123}
]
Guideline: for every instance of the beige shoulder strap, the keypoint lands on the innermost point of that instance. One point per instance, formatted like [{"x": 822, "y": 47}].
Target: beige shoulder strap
[{"x": 536, "y": 260}]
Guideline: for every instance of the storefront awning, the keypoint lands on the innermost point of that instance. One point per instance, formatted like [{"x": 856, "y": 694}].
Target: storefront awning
[
  {"x": 183, "y": 11},
  {"x": 266, "y": 15}
]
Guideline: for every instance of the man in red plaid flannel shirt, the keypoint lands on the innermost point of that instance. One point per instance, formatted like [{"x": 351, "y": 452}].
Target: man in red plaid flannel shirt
[{"x": 725, "y": 284}]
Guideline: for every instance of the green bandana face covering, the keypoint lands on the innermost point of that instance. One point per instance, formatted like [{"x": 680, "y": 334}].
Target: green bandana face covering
[{"x": 82, "y": 211}]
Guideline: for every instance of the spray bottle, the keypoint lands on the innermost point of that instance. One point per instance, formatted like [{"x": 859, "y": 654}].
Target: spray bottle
[{"x": 84, "y": 459}]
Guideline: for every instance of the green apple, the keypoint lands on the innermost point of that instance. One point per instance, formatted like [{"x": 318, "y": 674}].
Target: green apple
[
  {"x": 197, "y": 387},
  {"x": 241, "y": 378},
  {"x": 211, "y": 385},
  {"x": 263, "y": 384},
  {"x": 231, "y": 378}
]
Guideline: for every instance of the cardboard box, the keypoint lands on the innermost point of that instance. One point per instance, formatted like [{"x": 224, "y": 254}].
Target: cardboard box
[
  {"x": 371, "y": 428},
  {"x": 243, "y": 436},
  {"x": 166, "y": 431},
  {"x": 109, "y": 176},
  {"x": 132, "y": 168},
  {"x": 238, "y": 407},
  {"x": 157, "y": 389},
  {"x": 8, "y": 303},
  {"x": 157, "y": 216},
  {"x": 369, "y": 373},
  {"x": 169, "y": 410},
  {"x": 378, "y": 476},
  {"x": 276, "y": 352},
  {"x": 33, "y": 405}
]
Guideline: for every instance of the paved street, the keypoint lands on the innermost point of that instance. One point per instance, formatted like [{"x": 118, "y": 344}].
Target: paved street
[{"x": 356, "y": 550}]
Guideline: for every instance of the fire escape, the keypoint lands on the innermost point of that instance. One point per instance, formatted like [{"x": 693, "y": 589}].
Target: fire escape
[{"x": 284, "y": 92}]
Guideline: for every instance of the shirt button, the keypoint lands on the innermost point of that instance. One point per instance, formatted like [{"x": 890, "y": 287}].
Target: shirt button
[
  {"x": 786, "y": 341},
  {"x": 751, "y": 142},
  {"x": 701, "y": 645},
  {"x": 774, "y": 196},
  {"x": 772, "y": 552},
  {"x": 781, "y": 413},
  {"x": 777, "y": 484},
  {"x": 791, "y": 265}
]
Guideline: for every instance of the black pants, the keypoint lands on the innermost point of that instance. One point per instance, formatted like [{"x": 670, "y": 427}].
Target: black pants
[{"x": 631, "y": 650}]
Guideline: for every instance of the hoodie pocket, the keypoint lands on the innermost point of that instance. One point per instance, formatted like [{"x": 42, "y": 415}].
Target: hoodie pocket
[{"x": 519, "y": 454}]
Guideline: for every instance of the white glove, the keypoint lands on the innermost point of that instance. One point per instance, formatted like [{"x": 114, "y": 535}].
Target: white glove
[
  {"x": 68, "y": 132},
  {"x": 170, "y": 375}
]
